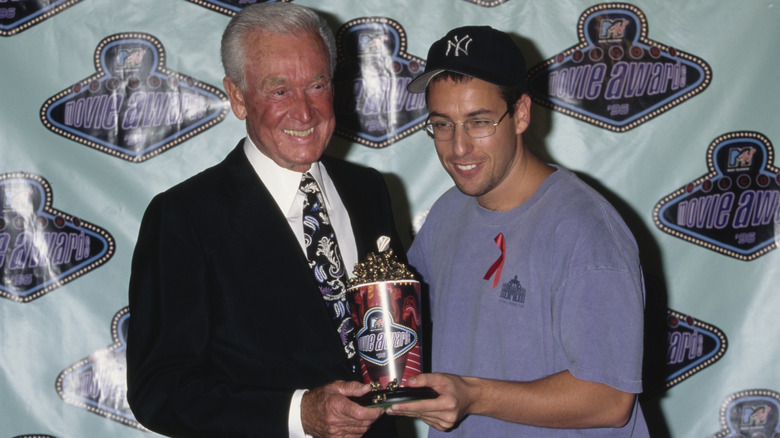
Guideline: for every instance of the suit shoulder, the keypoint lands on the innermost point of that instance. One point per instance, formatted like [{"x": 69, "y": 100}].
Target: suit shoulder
[
  {"x": 209, "y": 179},
  {"x": 201, "y": 180},
  {"x": 340, "y": 165},
  {"x": 350, "y": 174}
]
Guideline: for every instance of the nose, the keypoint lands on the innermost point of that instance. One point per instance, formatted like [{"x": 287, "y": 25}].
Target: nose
[
  {"x": 301, "y": 108},
  {"x": 461, "y": 144}
]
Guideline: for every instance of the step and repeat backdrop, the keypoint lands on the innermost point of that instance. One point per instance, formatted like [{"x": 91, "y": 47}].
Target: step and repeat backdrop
[{"x": 669, "y": 109}]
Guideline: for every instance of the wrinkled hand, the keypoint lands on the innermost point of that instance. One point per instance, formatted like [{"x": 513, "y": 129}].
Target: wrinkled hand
[
  {"x": 327, "y": 412},
  {"x": 443, "y": 412}
]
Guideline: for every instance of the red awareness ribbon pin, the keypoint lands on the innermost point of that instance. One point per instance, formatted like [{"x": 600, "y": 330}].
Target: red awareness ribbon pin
[{"x": 498, "y": 265}]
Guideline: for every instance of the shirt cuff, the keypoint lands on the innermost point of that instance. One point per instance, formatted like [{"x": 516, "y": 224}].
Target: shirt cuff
[{"x": 294, "y": 423}]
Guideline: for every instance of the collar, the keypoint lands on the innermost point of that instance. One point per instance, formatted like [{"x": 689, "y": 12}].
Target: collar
[{"x": 281, "y": 183}]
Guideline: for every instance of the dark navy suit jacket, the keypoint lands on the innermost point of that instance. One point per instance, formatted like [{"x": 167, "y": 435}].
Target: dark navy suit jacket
[{"x": 225, "y": 318}]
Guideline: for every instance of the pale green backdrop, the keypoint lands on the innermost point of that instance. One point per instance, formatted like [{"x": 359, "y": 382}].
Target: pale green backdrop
[{"x": 738, "y": 39}]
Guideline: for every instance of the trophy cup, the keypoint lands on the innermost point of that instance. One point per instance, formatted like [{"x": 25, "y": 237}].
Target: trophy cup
[{"x": 385, "y": 301}]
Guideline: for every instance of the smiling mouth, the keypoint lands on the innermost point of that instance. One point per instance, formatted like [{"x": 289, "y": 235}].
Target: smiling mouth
[
  {"x": 298, "y": 133},
  {"x": 465, "y": 166}
]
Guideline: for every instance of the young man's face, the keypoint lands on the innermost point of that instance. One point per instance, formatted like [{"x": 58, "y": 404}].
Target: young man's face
[
  {"x": 288, "y": 103},
  {"x": 480, "y": 167}
]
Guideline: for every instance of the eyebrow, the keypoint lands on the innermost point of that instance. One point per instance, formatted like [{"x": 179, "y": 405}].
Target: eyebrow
[
  {"x": 475, "y": 113},
  {"x": 282, "y": 80},
  {"x": 276, "y": 81}
]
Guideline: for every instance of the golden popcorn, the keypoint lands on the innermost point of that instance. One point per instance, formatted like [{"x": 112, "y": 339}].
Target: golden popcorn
[{"x": 382, "y": 266}]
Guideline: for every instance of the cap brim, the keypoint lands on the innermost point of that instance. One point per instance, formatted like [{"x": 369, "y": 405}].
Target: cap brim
[{"x": 420, "y": 83}]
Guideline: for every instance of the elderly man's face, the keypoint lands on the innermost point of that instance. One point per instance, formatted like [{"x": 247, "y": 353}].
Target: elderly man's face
[{"x": 288, "y": 103}]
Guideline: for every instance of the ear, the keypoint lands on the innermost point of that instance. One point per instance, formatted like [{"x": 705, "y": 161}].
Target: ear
[
  {"x": 522, "y": 116},
  {"x": 236, "y": 97}
]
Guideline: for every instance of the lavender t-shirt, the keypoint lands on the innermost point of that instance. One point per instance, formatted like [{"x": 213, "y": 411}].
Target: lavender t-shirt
[{"x": 570, "y": 296}]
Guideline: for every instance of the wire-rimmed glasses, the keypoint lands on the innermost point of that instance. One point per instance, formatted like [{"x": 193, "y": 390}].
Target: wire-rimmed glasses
[{"x": 444, "y": 130}]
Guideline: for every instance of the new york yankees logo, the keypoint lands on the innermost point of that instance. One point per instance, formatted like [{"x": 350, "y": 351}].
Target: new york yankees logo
[{"x": 460, "y": 45}]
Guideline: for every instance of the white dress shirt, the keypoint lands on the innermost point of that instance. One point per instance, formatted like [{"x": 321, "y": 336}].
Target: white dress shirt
[{"x": 283, "y": 185}]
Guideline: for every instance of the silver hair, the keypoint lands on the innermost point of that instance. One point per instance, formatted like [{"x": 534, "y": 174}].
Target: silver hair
[{"x": 277, "y": 17}]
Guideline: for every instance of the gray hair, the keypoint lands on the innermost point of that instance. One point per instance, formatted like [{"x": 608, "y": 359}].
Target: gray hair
[{"x": 278, "y": 17}]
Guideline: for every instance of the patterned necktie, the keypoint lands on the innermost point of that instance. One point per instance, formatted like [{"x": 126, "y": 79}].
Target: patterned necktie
[{"x": 325, "y": 260}]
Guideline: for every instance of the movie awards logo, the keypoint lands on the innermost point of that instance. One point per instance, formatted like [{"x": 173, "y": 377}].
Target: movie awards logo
[
  {"x": 371, "y": 103},
  {"x": 18, "y": 15},
  {"x": 231, "y": 7},
  {"x": 98, "y": 383},
  {"x": 751, "y": 413},
  {"x": 382, "y": 340},
  {"x": 616, "y": 78},
  {"x": 42, "y": 248},
  {"x": 735, "y": 208},
  {"x": 487, "y": 3},
  {"x": 692, "y": 345},
  {"x": 34, "y": 436},
  {"x": 133, "y": 108}
]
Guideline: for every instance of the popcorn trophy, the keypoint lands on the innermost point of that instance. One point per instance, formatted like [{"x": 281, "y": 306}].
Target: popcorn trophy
[{"x": 385, "y": 302}]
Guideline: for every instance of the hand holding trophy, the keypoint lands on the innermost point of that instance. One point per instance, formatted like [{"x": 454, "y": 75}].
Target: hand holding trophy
[{"x": 385, "y": 302}]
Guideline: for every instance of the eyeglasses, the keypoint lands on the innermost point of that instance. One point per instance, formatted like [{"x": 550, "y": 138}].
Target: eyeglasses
[{"x": 475, "y": 128}]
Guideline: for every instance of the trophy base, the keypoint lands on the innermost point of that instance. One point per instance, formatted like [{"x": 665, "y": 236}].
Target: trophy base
[{"x": 386, "y": 397}]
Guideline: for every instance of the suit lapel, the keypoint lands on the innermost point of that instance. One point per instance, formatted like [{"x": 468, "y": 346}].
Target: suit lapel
[
  {"x": 255, "y": 213},
  {"x": 256, "y": 216}
]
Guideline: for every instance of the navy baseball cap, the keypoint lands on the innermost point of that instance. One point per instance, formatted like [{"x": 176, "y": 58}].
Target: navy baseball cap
[{"x": 478, "y": 51}]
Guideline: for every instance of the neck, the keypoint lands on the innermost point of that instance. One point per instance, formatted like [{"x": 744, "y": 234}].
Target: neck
[{"x": 528, "y": 176}]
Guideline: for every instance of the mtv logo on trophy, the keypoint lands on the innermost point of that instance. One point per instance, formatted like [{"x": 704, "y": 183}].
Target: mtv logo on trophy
[{"x": 385, "y": 301}]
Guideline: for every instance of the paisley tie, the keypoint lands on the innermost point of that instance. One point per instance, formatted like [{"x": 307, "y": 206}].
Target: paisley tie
[{"x": 325, "y": 260}]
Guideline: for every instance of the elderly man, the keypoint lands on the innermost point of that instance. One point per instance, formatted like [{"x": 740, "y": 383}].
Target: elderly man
[{"x": 239, "y": 322}]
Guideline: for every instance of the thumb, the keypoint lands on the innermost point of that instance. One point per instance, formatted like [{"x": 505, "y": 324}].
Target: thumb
[
  {"x": 354, "y": 388},
  {"x": 418, "y": 380}
]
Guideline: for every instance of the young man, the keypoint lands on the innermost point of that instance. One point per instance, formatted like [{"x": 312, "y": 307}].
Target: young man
[
  {"x": 231, "y": 333},
  {"x": 536, "y": 290}
]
